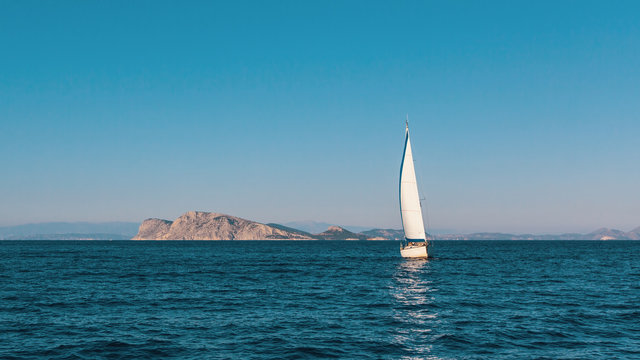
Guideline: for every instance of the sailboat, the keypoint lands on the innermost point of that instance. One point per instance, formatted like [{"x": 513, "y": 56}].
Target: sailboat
[{"x": 415, "y": 242}]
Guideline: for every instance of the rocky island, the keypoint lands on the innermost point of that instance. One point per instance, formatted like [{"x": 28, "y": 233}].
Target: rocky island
[{"x": 198, "y": 225}]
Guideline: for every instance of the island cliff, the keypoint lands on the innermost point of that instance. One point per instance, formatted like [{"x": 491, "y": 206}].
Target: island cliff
[{"x": 198, "y": 225}]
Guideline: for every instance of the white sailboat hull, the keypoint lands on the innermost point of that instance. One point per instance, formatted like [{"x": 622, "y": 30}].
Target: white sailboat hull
[{"x": 414, "y": 252}]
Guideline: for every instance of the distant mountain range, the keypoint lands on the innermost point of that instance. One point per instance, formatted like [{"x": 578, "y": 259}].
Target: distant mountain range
[
  {"x": 69, "y": 236},
  {"x": 599, "y": 234},
  {"x": 70, "y": 230},
  {"x": 203, "y": 225}
]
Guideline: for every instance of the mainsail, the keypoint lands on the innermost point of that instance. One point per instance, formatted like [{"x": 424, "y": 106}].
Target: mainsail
[{"x": 410, "y": 208}]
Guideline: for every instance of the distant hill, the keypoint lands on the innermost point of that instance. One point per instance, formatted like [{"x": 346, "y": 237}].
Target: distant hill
[
  {"x": 634, "y": 234},
  {"x": 314, "y": 227},
  {"x": 124, "y": 230},
  {"x": 338, "y": 233},
  {"x": 606, "y": 234}
]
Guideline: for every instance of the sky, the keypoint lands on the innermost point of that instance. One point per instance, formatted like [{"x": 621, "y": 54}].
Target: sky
[{"x": 524, "y": 115}]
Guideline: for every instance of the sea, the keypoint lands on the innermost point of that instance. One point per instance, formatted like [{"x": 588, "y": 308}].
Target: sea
[{"x": 319, "y": 299}]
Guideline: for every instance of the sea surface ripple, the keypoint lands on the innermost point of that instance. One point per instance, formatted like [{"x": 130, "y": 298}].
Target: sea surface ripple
[{"x": 319, "y": 299}]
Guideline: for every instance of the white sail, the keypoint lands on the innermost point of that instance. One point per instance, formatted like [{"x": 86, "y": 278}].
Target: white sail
[{"x": 410, "y": 208}]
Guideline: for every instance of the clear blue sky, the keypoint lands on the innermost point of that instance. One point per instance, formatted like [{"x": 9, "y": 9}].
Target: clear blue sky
[{"x": 525, "y": 116}]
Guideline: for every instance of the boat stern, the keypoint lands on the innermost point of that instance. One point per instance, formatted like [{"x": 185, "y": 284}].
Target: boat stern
[{"x": 414, "y": 251}]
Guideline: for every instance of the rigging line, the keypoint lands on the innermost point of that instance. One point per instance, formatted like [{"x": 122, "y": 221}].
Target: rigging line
[{"x": 426, "y": 211}]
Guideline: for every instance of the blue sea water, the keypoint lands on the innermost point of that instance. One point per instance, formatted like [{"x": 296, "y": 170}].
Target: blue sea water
[{"x": 333, "y": 299}]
